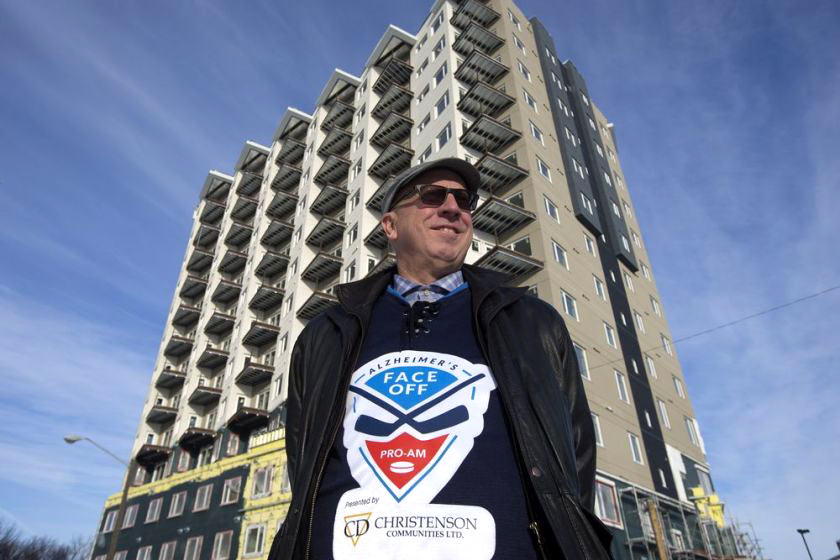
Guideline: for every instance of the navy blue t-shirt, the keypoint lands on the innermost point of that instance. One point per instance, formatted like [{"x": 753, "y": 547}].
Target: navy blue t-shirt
[{"x": 423, "y": 465}]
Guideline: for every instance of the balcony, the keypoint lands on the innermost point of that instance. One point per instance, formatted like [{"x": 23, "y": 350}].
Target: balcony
[
  {"x": 287, "y": 178},
  {"x": 266, "y": 299},
  {"x": 245, "y": 208},
  {"x": 377, "y": 198},
  {"x": 271, "y": 265},
  {"x": 260, "y": 334},
  {"x": 216, "y": 187},
  {"x": 389, "y": 260},
  {"x": 199, "y": 261},
  {"x": 238, "y": 235},
  {"x": 225, "y": 293},
  {"x": 317, "y": 302},
  {"x": 497, "y": 173},
  {"x": 170, "y": 378},
  {"x": 150, "y": 455},
  {"x": 186, "y": 316},
  {"x": 337, "y": 142},
  {"x": 330, "y": 199},
  {"x": 252, "y": 158},
  {"x": 321, "y": 267},
  {"x": 326, "y": 232},
  {"x": 394, "y": 71},
  {"x": 486, "y": 134},
  {"x": 205, "y": 237},
  {"x": 393, "y": 159},
  {"x": 277, "y": 234},
  {"x": 293, "y": 125},
  {"x": 247, "y": 419},
  {"x": 499, "y": 217},
  {"x": 282, "y": 204},
  {"x": 233, "y": 262},
  {"x": 177, "y": 346},
  {"x": 377, "y": 238},
  {"x": 193, "y": 287},
  {"x": 290, "y": 152},
  {"x": 254, "y": 373},
  {"x": 249, "y": 184},
  {"x": 477, "y": 37},
  {"x": 203, "y": 395},
  {"x": 211, "y": 213},
  {"x": 219, "y": 323},
  {"x": 508, "y": 261},
  {"x": 395, "y": 128},
  {"x": 474, "y": 11},
  {"x": 333, "y": 171},
  {"x": 340, "y": 115},
  {"x": 160, "y": 414},
  {"x": 482, "y": 98},
  {"x": 480, "y": 67},
  {"x": 193, "y": 439},
  {"x": 212, "y": 358},
  {"x": 396, "y": 99}
]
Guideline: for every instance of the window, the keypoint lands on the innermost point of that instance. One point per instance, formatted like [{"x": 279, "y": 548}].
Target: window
[
  {"x": 176, "y": 507},
  {"x": 425, "y": 155},
  {"x": 144, "y": 553},
  {"x": 647, "y": 419},
  {"x": 262, "y": 482},
  {"x": 254, "y": 537},
  {"x": 621, "y": 384},
  {"x": 444, "y": 136},
  {"x": 578, "y": 168},
  {"x": 626, "y": 207},
  {"x": 532, "y": 103},
  {"x": 167, "y": 551},
  {"x": 352, "y": 234},
  {"x": 153, "y": 513},
  {"x": 426, "y": 120},
  {"x": 560, "y": 254},
  {"x": 635, "y": 448},
  {"x": 655, "y": 306},
  {"x": 606, "y": 503},
  {"x": 357, "y": 142},
  {"x": 355, "y": 172},
  {"x": 625, "y": 243},
  {"x": 439, "y": 75},
  {"x": 615, "y": 209},
  {"x": 570, "y": 136},
  {"x": 662, "y": 478},
  {"x": 570, "y": 305},
  {"x": 423, "y": 66},
  {"x": 232, "y": 444},
  {"x": 130, "y": 516},
  {"x": 638, "y": 319},
  {"x": 544, "y": 170},
  {"x": 442, "y": 104},
  {"x": 350, "y": 272},
  {"x": 663, "y": 413},
  {"x": 437, "y": 22},
  {"x": 536, "y": 133},
  {"x": 360, "y": 114},
  {"x": 438, "y": 48},
  {"x": 651, "y": 367},
  {"x": 587, "y": 204},
  {"x": 628, "y": 281},
  {"x": 666, "y": 344},
  {"x": 522, "y": 245},
  {"x": 516, "y": 199},
  {"x": 592, "y": 124},
  {"x": 519, "y": 44},
  {"x": 421, "y": 43},
  {"x": 586, "y": 102},
  {"x": 523, "y": 70},
  {"x": 120, "y": 555},
  {"x": 423, "y": 94},
  {"x": 353, "y": 201},
  {"x": 678, "y": 386},
  {"x": 645, "y": 271},
  {"x": 202, "y": 498},
  {"x": 705, "y": 482},
  {"x": 607, "y": 179},
  {"x": 692, "y": 430},
  {"x": 110, "y": 518},
  {"x": 609, "y": 332},
  {"x": 583, "y": 362},
  {"x": 637, "y": 241},
  {"x": 221, "y": 545},
  {"x": 596, "y": 424},
  {"x": 514, "y": 20},
  {"x": 193, "y": 548},
  {"x": 601, "y": 153},
  {"x": 230, "y": 492},
  {"x": 564, "y": 107},
  {"x": 590, "y": 244},
  {"x": 599, "y": 288},
  {"x": 677, "y": 539},
  {"x": 551, "y": 209}
]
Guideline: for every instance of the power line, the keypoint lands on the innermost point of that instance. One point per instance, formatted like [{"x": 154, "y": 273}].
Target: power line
[{"x": 731, "y": 323}]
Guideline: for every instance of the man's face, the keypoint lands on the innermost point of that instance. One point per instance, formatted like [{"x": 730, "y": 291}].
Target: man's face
[{"x": 429, "y": 239}]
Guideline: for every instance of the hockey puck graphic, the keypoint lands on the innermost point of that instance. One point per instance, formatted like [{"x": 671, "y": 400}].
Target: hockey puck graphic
[{"x": 402, "y": 467}]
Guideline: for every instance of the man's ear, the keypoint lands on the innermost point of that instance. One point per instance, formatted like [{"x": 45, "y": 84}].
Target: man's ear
[{"x": 389, "y": 225}]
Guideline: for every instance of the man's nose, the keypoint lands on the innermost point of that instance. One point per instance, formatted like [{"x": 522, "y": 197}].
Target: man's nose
[{"x": 450, "y": 206}]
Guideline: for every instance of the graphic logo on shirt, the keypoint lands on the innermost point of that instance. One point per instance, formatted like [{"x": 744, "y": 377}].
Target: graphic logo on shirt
[
  {"x": 411, "y": 420},
  {"x": 356, "y": 525}
]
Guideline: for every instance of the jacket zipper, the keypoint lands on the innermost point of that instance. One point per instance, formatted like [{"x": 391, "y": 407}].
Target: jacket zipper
[{"x": 343, "y": 393}]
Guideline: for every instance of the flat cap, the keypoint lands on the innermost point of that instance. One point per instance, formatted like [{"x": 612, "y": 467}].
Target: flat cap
[{"x": 467, "y": 171}]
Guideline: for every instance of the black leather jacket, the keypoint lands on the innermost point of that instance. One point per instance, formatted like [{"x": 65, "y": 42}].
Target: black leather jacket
[{"x": 528, "y": 349}]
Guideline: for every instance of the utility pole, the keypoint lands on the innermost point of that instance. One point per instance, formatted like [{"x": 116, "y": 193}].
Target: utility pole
[{"x": 802, "y": 532}]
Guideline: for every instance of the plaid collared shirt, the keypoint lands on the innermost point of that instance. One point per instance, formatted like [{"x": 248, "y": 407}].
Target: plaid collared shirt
[{"x": 412, "y": 291}]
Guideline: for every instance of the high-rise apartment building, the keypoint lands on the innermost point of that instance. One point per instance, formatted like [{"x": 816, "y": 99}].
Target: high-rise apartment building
[{"x": 480, "y": 81}]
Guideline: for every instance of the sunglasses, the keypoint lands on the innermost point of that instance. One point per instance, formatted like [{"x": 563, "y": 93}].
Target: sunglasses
[{"x": 435, "y": 195}]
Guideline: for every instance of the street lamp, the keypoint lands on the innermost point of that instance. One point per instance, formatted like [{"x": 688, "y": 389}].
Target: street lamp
[
  {"x": 802, "y": 532},
  {"x": 70, "y": 439}
]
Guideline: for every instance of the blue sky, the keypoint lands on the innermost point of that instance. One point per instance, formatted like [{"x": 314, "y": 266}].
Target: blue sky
[{"x": 111, "y": 114}]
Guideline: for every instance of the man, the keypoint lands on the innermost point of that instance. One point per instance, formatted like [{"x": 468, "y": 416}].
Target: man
[{"x": 434, "y": 413}]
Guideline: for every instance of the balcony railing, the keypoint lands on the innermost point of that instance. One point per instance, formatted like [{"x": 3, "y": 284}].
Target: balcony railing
[
  {"x": 193, "y": 287},
  {"x": 194, "y": 438},
  {"x": 160, "y": 414},
  {"x": 480, "y": 67},
  {"x": 254, "y": 373},
  {"x": 199, "y": 261},
  {"x": 317, "y": 302},
  {"x": 483, "y": 98},
  {"x": 186, "y": 316},
  {"x": 330, "y": 199},
  {"x": 333, "y": 171},
  {"x": 177, "y": 346},
  {"x": 394, "y": 71},
  {"x": 393, "y": 159},
  {"x": 150, "y": 455},
  {"x": 271, "y": 265},
  {"x": 290, "y": 152},
  {"x": 326, "y": 232},
  {"x": 205, "y": 237},
  {"x": 266, "y": 299},
  {"x": 508, "y": 261},
  {"x": 387, "y": 261},
  {"x": 394, "y": 128},
  {"x": 169, "y": 378},
  {"x": 249, "y": 184},
  {"x": 281, "y": 205},
  {"x": 211, "y": 213},
  {"x": 212, "y": 358},
  {"x": 377, "y": 238},
  {"x": 247, "y": 419},
  {"x": 396, "y": 99},
  {"x": 260, "y": 334},
  {"x": 337, "y": 142},
  {"x": 497, "y": 173},
  {"x": 378, "y": 197},
  {"x": 321, "y": 267},
  {"x": 489, "y": 135},
  {"x": 238, "y": 235},
  {"x": 233, "y": 262},
  {"x": 340, "y": 115},
  {"x": 277, "y": 234},
  {"x": 477, "y": 37},
  {"x": 203, "y": 395},
  {"x": 219, "y": 323},
  {"x": 244, "y": 208},
  {"x": 226, "y": 292},
  {"x": 499, "y": 217},
  {"x": 287, "y": 177},
  {"x": 474, "y": 11}
]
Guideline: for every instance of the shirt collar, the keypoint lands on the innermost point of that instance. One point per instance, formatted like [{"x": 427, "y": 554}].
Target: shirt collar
[{"x": 448, "y": 283}]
